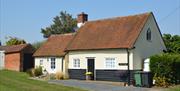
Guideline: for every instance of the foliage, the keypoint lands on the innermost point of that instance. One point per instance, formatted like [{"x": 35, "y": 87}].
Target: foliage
[
  {"x": 59, "y": 75},
  {"x": 165, "y": 68},
  {"x": 161, "y": 81},
  {"x": 172, "y": 43},
  {"x": 14, "y": 41},
  {"x": 52, "y": 76},
  {"x": 38, "y": 71},
  {"x": 37, "y": 45},
  {"x": 19, "y": 81},
  {"x": 64, "y": 23},
  {"x": 31, "y": 72}
]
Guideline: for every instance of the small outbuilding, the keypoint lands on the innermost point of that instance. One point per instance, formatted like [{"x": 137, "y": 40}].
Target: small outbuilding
[{"x": 17, "y": 57}]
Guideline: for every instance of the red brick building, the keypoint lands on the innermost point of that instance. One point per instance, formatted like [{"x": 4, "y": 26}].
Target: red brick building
[{"x": 18, "y": 57}]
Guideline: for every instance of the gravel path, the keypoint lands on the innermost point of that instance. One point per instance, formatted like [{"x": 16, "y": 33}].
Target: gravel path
[{"x": 94, "y": 86}]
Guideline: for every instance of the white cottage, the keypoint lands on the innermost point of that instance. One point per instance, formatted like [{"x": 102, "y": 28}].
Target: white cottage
[
  {"x": 109, "y": 47},
  {"x": 51, "y": 54}
]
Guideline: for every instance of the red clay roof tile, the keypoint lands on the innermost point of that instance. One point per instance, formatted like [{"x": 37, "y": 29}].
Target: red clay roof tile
[
  {"x": 14, "y": 48},
  {"x": 54, "y": 46},
  {"x": 120, "y": 32}
]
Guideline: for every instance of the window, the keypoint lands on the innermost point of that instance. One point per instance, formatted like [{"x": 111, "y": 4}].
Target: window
[
  {"x": 110, "y": 62},
  {"x": 148, "y": 34},
  {"x": 76, "y": 63},
  {"x": 53, "y": 63},
  {"x": 41, "y": 62}
]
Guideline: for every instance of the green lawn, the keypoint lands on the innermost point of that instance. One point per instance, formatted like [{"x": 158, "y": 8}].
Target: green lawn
[
  {"x": 176, "y": 88},
  {"x": 18, "y": 81}
]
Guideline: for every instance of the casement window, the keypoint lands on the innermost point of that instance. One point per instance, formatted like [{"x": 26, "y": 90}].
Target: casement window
[
  {"x": 41, "y": 62},
  {"x": 53, "y": 63},
  {"x": 76, "y": 63},
  {"x": 148, "y": 34},
  {"x": 110, "y": 62}
]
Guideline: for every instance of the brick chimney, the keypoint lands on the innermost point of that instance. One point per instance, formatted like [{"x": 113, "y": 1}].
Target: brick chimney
[{"x": 81, "y": 19}]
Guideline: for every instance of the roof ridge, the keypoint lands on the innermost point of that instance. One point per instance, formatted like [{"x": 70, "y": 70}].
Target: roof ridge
[
  {"x": 117, "y": 17},
  {"x": 66, "y": 34}
]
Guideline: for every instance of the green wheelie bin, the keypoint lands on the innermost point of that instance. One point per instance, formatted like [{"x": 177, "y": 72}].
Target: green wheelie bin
[{"x": 138, "y": 78}]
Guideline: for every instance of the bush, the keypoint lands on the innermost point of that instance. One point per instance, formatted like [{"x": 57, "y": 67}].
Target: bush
[
  {"x": 52, "y": 76},
  {"x": 176, "y": 69},
  {"x": 59, "y": 75},
  {"x": 38, "y": 71},
  {"x": 161, "y": 81},
  {"x": 31, "y": 72},
  {"x": 165, "y": 69}
]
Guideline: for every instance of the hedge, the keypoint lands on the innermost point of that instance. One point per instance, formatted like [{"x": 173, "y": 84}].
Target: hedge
[{"x": 165, "y": 68}]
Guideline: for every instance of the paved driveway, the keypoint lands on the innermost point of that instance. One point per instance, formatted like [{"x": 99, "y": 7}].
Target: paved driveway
[{"x": 95, "y": 86}]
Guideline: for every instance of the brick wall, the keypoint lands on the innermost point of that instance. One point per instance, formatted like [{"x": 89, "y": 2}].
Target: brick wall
[{"x": 12, "y": 61}]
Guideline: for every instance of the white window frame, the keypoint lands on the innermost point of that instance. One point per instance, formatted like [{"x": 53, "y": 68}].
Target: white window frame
[
  {"x": 76, "y": 62},
  {"x": 110, "y": 62},
  {"x": 53, "y": 63},
  {"x": 41, "y": 62}
]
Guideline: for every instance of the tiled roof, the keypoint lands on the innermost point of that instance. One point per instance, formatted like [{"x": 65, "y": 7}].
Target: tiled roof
[
  {"x": 13, "y": 48},
  {"x": 119, "y": 32},
  {"x": 54, "y": 46}
]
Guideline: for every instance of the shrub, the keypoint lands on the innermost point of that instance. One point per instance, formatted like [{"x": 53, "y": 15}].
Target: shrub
[
  {"x": 59, "y": 75},
  {"x": 38, "y": 71},
  {"x": 161, "y": 81},
  {"x": 31, "y": 72},
  {"x": 176, "y": 67},
  {"x": 52, "y": 76},
  {"x": 165, "y": 69}
]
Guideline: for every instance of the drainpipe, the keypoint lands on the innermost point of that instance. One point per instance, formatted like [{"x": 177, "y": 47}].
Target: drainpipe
[
  {"x": 129, "y": 75},
  {"x": 129, "y": 78},
  {"x": 62, "y": 65}
]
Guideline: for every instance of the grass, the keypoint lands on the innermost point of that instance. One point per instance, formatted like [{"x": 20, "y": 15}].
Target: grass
[
  {"x": 18, "y": 81},
  {"x": 175, "y": 88}
]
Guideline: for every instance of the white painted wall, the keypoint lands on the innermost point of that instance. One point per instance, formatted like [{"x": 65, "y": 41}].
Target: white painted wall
[
  {"x": 144, "y": 48},
  {"x": 2, "y": 59},
  {"x": 47, "y": 63},
  {"x": 99, "y": 55}
]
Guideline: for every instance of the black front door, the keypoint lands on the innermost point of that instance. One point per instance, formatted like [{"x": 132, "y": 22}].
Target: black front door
[{"x": 91, "y": 67}]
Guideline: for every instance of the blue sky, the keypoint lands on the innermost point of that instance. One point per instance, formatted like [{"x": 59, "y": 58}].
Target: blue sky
[{"x": 25, "y": 18}]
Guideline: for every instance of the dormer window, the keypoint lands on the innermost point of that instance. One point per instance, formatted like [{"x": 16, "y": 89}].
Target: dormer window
[{"x": 148, "y": 34}]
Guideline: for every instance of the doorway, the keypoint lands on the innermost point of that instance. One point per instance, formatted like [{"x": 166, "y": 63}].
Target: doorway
[{"x": 90, "y": 67}]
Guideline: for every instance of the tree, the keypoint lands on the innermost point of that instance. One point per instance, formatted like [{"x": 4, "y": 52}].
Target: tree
[
  {"x": 64, "y": 23},
  {"x": 38, "y": 44},
  {"x": 172, "y": 43},
  {"x": 15, "y": 41}
]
